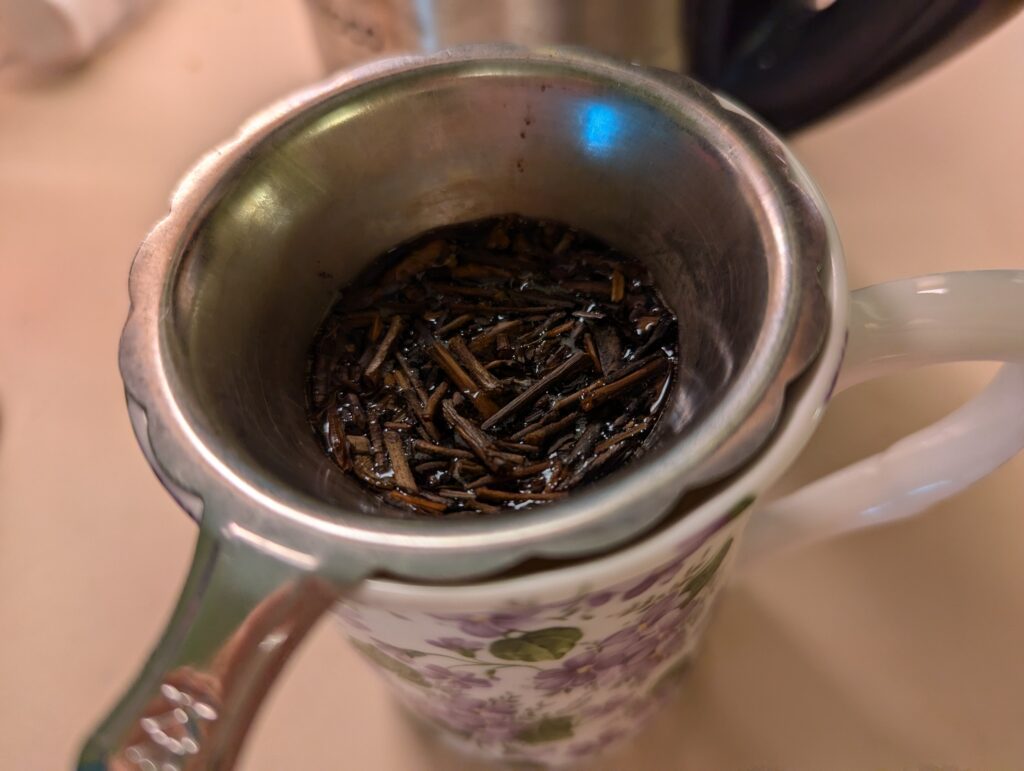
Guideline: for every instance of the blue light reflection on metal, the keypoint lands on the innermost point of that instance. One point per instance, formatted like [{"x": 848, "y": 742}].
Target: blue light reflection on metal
[{"x": 601, "y": 128}]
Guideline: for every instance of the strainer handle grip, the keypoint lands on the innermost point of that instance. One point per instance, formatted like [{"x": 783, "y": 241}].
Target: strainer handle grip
[
  {"x": 241, "y": 614},
  {"x": 969, "y": 316}
]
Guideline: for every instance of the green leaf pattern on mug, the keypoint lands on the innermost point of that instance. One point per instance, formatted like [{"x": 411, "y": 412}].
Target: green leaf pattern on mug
[
  {"x": 539, "y": 645},
  {"x": 547, "y": 729},
  {"x": 392, "y": 665},
  {"x": 707, "y": 572}
]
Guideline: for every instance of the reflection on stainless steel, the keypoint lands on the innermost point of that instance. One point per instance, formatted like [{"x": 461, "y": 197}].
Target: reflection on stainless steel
[
  {"x": 792, "y": 61},
  {"x": 228, "y": 290},
  {"x": 239, "y": 619},
  {"x": 653, "y": 164},
  {"x": 645, "y": 31},
  {"x": 171, "y": 736}
]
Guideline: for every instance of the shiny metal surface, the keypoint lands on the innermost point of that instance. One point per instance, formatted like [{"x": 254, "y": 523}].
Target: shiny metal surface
[
  {"x": 228, "y": 290},
  {"x": 792, "y": 62},
  {"x": 649, "y": 32}
]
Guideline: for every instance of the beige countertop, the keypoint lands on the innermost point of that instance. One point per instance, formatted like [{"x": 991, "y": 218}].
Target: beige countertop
[{"x": 892, "y": 649}]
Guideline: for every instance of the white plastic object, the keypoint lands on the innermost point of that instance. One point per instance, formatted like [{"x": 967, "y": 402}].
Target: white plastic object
[
  {"x": 971, "y": 316},
  {"x": 41, "y": 35}
]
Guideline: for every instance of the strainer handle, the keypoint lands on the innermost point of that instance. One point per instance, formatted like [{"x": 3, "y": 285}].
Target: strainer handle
[
  {"x": 969, "y": 316},
  {"x": 242, "y": 612}
]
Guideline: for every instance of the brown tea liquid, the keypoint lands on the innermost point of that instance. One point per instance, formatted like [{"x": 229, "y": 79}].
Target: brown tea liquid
[{"x": 492, "y": 364}]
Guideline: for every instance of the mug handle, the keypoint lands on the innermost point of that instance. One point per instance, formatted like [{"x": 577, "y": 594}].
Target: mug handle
[
  {"x": 969, "y": 316},
  {"x": 242, "y": 612}
]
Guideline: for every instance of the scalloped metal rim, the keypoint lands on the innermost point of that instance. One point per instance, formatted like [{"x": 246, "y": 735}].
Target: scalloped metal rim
[{"x": 186, "y": 461}]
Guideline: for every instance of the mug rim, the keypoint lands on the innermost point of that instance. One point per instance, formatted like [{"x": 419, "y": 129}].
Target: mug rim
[{"x": 797, "y": 424}]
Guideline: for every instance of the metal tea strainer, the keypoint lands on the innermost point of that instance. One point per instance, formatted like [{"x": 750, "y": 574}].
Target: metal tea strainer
[{"x": 229, "y": 288}]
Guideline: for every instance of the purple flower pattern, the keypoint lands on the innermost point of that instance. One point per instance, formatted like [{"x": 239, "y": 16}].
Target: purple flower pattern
[
  {"x": 558, "y": 680},
  {"x": 639, "y": 649},
  {"x": 486, "y": 720},
  {"x": 459, "y": 645},
  {"x": 575, "y": 672}
]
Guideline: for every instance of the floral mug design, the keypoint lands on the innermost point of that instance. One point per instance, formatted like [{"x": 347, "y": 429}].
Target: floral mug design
[{"x": 549, "y": 681}]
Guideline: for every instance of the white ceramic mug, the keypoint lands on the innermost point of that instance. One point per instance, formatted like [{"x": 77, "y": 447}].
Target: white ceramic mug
[
  {"x": 555, "y": 660},
  {"x": 553, "y": 666}
]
